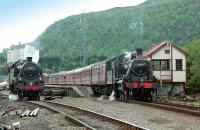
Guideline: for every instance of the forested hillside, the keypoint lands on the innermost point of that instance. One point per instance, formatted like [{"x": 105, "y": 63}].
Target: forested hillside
[{"x": 112, "y": 31}]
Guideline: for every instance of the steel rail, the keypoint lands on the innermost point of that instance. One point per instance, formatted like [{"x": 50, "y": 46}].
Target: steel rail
[
  {"x": 67, "y": 117},
  {"x": 189, "y": 110},
  {"x": 178, "y": 105},
  {"x": 121, "y": 124}
]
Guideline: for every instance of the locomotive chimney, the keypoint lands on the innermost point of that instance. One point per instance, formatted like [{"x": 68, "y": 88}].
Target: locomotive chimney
[
  {"x": 139, "y": 51},
  {"x": 29, "y": 59}
]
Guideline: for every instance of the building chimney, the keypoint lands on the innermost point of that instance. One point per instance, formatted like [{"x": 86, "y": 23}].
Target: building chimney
[
  {"x": 29, "y": 59},
  {"x": 139, "y": 51}
]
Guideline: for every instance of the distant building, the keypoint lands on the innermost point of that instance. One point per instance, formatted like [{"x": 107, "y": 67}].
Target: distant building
[
  {"x": 168, "y": 62},
  {"x": 22, "y": 51}
]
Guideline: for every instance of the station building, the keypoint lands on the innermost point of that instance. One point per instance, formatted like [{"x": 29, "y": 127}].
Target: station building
[{"x": 168, "y": 62}]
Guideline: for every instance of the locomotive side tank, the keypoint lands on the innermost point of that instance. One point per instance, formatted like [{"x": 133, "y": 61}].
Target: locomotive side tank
[{"x": 25, "y": 79}]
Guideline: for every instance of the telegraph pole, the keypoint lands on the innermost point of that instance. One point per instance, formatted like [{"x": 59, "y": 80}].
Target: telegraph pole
[{"x": 83, "y": 23}]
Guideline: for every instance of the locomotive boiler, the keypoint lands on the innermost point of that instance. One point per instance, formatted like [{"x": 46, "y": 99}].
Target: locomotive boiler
[{"x": 25, "y": 79}]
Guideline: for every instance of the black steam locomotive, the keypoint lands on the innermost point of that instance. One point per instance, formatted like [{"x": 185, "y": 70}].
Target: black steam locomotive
[
  {"x": 25, "y": 79},
  {"x": 134, "y": 77}
]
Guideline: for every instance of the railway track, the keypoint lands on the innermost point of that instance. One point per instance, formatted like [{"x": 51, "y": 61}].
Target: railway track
[
  {"x": 86, "y": 118},
  {"x": 189, "y": 110},
  {"x": 77, "y": 124},
  {"x": 3, "y": 96},
  {"x": 178, "y": 105},
  {"x": 185, "y": 109},
  {"x": 89, "y": 120}
]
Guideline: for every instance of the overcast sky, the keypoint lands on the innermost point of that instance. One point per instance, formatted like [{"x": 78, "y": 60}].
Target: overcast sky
[{"x": 24, "y": 20}]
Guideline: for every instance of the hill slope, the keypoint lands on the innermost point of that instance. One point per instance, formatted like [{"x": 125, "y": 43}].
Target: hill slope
[{"x": 112, "y": 31}]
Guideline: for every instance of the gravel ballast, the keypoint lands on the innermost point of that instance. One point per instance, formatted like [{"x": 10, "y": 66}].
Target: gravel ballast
[
  {"x": 45, "y": 120},
  {"x": 151, "y": 118}
]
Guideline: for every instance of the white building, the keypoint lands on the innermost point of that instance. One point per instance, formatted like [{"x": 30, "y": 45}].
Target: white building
[
  {"x": 168, "y": 62},
  {"x": 22, "y": 51}
]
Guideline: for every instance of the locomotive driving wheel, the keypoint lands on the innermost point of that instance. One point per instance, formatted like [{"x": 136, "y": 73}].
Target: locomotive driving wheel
[
  {"x": 20, "y": 95},
  {"x": 37, "y": 96},
  {"x": 141, "y": 93},
  {"x": 122, "y": 96}
]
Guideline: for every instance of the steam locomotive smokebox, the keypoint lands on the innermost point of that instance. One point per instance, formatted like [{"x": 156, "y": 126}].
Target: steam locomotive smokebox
[
  {"x": 29, "y": 59},
  {"x": 139, "y": 51}
]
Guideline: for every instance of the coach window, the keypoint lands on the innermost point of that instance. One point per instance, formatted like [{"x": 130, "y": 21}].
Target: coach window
[{"x": 179, "y": 64}]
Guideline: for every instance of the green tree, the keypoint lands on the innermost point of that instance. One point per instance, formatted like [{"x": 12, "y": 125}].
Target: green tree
[{"x": 194, "y": 65}]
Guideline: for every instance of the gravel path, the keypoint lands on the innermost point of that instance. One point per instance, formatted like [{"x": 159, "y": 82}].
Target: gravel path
[{"x": 151, "y": 118}]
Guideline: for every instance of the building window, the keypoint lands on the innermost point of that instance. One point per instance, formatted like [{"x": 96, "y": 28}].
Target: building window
[
  {"x": 160, "y": 64},
  {"x": 156, "y": 65},
  {"x": 179, "y": 64},
  {"x": 167, "y": 51}
]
